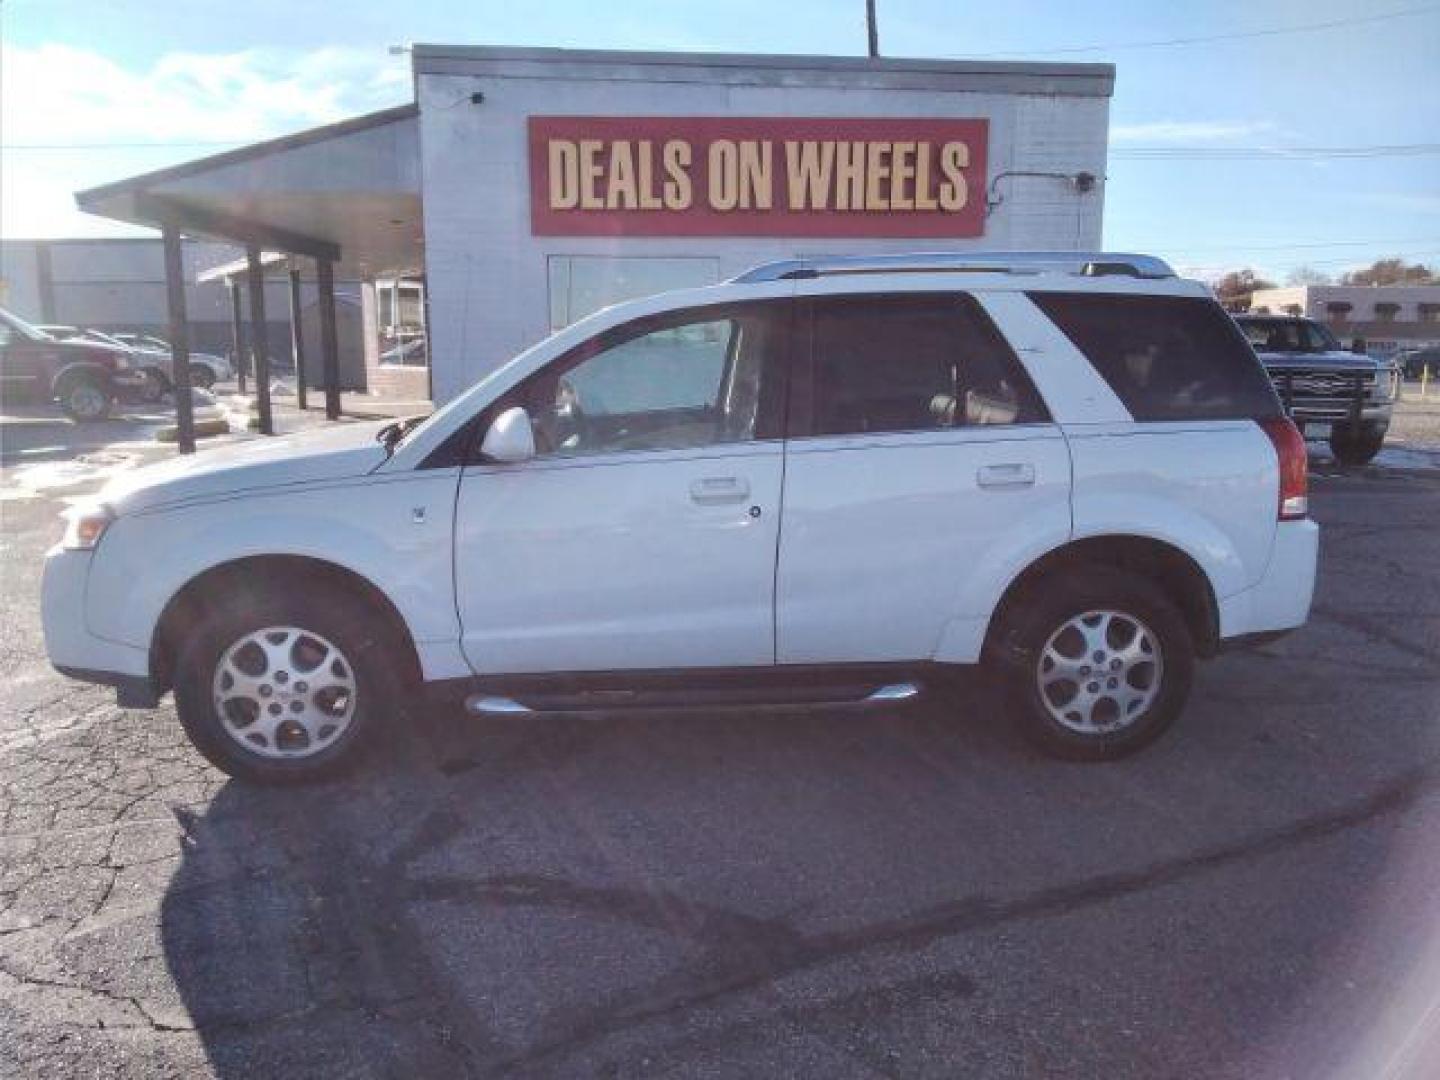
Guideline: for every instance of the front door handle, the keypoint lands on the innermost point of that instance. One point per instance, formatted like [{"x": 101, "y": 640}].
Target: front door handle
[
  {"x": 1011, "y": 474},
  {"x": 714, "y": 490}
]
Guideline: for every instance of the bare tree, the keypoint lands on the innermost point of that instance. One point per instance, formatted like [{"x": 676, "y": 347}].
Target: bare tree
[
  {"x": 1392, "y": 272},
  {"x": 1234, "y": 288},
  {"x": 1308, "y": 275}
]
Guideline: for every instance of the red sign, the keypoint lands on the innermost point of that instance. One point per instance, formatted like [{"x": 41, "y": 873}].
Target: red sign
[{"x": 756, "y": 176}]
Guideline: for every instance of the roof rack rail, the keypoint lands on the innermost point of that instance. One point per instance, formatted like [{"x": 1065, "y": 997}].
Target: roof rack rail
[{"x": 1083, "y": 263}]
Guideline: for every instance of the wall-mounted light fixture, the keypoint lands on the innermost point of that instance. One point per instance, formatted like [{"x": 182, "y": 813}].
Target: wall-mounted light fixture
[{"x": 1082, "y": 182}]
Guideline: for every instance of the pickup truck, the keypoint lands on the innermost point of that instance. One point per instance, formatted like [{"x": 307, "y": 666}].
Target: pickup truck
[
  {"x": 1326, "y": 389},
  {"x": 83, "y": 376}
]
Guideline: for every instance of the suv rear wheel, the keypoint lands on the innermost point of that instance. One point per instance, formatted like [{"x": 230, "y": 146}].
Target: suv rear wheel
[
  {"x": 1098, "y": 663},
  {"x": 276, "y": 688},
  {"x": 155, "y": 386}
]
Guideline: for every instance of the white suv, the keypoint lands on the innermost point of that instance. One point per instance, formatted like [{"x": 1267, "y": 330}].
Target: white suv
[{"x": 824, "y": 481}]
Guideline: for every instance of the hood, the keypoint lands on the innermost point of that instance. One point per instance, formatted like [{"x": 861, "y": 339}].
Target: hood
[
  {"x": 328, "y": 453},
  {"x": 84, "y": 350},
  {"x": 1338, "y": 360}
]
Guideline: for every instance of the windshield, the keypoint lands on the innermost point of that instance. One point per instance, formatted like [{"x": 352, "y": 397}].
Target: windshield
[{"x": 1288, "y": 336}]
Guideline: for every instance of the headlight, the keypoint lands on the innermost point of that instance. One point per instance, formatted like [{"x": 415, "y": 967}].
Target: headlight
[{"x": 85, "y": 525}]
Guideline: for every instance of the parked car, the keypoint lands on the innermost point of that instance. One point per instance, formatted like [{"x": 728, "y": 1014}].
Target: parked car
[
  {"x": 829, "y": 481},
  {"x": 1413, "y": 362},
  {"x": 82, "y": 375},
  {"x": 1342, "y": 395},
  {"x": 206, "y": 369},
  {"x": 152, "y": 373}
]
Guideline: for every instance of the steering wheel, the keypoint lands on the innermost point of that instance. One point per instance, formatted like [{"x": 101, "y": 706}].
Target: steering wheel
[{"x": 571, "y": 426}]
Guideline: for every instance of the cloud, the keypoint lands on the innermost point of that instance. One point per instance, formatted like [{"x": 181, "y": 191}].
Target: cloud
[
  {"x": 54, "y": 96},
  {"x": 1188, "y": 132}
]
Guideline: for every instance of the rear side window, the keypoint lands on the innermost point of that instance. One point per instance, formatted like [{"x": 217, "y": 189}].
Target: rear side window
[
  {"x": 1166, "y": 357},
  {"x": 913, "y": 362}
]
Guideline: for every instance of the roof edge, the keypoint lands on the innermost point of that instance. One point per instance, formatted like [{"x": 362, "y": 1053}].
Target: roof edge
[
  {"x": 87, "y": 198},
  {"x": 424, "y": 56}
]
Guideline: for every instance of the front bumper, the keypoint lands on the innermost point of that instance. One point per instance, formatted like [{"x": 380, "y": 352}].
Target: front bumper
[
  {"x": 1373, "y": 415},
  {"x": 76, "y": 652}
]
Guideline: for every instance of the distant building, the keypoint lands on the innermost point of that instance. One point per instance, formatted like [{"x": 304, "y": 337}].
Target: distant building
[
  {"x": 1388, "y": 317},
  {"x": 119, "y": 284}
]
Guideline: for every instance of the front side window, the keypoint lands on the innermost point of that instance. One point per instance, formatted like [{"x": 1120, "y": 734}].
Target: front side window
[
  {"x": 691, "y": 379},
  {"x": 1166, "y": 357},
  {"x": 913, "y": 362}
]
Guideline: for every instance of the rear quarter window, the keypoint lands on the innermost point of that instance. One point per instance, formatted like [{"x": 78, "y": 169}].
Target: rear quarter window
[{"x": 1166, "y": 357}]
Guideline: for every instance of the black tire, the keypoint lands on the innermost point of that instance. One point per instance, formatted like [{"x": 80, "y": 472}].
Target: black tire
[
  {"x": 1042, "y": 611},
  {"x": 1356, "y": 447},
  {"x": 84, "y": 400},
  {"x": 365, "y": 639},
  {"x": 155, "y": 386},
  {"x": 201, "y": 377}
]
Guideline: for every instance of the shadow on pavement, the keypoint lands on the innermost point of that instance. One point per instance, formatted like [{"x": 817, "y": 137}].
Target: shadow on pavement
[{"x": 912, "y": 893}]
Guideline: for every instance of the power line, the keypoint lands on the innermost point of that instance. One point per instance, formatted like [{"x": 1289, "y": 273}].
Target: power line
[
  {"x": 120, "y": 145},
  {"x": 1349, "y": 260},
  {"x": 1312, "y": 245},
  {"x": 1251, "y": 153},
  {"x": 1205, "y": 39}
]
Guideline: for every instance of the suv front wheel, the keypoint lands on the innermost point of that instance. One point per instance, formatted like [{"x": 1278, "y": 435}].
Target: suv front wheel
[
  {"x": 278, "y": 688},
  {"x": 1098, "y": 663}
]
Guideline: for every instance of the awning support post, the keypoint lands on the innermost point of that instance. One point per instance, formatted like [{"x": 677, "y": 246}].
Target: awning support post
[
  {"x": 259, "y": 339},
  {"x": 179, "y": 339},
  {"x": 237, "y": 331},
  {"x": 329, "y": 346},
  {"x": 297, "y": 339}
]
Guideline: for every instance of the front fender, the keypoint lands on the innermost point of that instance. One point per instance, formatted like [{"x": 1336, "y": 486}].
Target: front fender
[
  {"x": 394, "y": 532},
  {"x": 81, "y": 369}
]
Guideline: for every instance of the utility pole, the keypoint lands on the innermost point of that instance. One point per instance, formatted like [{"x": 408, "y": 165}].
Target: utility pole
[{"x": 872, "y": 29}]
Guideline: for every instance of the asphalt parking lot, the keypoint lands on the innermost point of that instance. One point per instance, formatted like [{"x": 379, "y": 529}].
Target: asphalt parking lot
[{"x": 907, "y": 893}]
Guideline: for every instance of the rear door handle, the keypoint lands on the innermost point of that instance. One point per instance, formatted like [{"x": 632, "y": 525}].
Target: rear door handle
[
  {"x": 714, "y": 490},
  {"x": 1011, "y": 474}
]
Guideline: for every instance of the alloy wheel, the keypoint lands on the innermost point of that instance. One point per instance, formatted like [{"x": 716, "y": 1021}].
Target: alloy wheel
[
  {"x": 284, "y": 692},
  {"x": 1099, "y": 672}
]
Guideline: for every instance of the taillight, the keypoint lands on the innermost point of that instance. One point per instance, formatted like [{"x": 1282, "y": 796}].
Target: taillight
[{"x": 1290, "y": 449}]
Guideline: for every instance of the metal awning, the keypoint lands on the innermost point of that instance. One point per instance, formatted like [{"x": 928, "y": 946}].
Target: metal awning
[
  {"x": 348, "y": 193},
  {"x": 346, "y": 196}
]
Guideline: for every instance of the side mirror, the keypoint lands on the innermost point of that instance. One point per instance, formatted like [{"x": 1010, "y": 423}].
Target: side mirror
[
  {"x": 1358, "y": 346},
  {"x": 510, "y": 439}
]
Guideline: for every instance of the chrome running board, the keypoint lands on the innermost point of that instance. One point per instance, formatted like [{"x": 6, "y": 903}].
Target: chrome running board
[
  {"x": 900, "y": 691},
  {"x": 490, "y": 705}
]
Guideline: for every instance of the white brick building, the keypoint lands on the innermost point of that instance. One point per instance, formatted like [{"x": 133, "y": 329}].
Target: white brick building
[{"x": 528, "y": 187}]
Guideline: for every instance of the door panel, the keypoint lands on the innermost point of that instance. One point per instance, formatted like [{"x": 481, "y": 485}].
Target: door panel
[
  {"x": 623, "y": 561},
  {"x": 643, "y": 536},
  {"x": 888, "y": 538},
  {"x": 924, "y": 463}
]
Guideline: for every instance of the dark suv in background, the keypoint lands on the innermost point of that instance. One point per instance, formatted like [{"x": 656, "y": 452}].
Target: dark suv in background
[
  {"x": 82, "y": 376},
  {"x": 1328, "y": 390}
]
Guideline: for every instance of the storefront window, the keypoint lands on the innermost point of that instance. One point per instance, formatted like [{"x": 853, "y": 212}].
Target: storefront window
[
  {"x": 400, "y": 313},
  {"x": 583, "y": 284}
]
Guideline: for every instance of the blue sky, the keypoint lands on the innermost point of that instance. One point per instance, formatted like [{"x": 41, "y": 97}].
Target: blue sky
[{"x": 196, "y": 75}]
